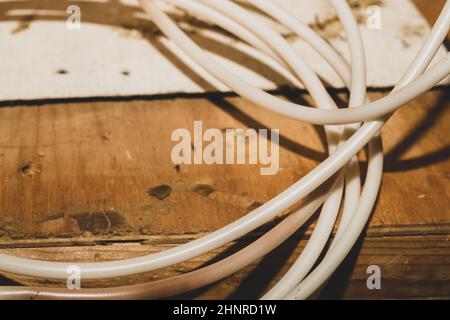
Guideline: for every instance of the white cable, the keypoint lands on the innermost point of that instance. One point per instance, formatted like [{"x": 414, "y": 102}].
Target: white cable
[
  {"x": 334, "y": 59},
  {"x": 269, "y": 210},
  {"x": 338, "y": 64}
]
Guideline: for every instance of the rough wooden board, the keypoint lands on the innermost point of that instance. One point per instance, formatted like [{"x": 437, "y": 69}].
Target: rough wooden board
[
  {"x": 412, "y": 267},
  {"x": 118, "y": 51}
]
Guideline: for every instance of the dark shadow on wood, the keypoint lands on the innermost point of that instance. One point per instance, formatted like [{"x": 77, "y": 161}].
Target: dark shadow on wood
[{"x": 392, "y": 160}]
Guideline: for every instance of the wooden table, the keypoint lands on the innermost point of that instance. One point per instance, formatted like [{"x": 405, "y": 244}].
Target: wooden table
[{"x": 75, "y": 180}]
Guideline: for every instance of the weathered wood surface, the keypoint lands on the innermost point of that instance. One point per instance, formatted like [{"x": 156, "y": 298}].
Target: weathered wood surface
[{"x": 75, "y": 180}]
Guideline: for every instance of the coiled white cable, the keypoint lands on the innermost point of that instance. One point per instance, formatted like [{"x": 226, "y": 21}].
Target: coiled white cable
[
  {"x": 358, "y": 91},
  {"x": 306, "y": 185}
]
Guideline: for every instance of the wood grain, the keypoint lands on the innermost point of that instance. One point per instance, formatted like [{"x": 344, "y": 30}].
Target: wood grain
[
  {"x": 75, "y": 180},
  {"x": 94, "y": 163}
]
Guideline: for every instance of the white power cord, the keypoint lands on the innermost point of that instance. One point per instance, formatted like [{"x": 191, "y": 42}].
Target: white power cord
[{"x": 339, "y": 125}]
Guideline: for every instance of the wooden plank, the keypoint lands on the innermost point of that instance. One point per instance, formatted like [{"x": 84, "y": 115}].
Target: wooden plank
[
  {"x": 76, "y": 178},
  {"x": 98, "y": 161},
  {"x": 86, "y": 169},
  {"x": 411, "y": 267}
]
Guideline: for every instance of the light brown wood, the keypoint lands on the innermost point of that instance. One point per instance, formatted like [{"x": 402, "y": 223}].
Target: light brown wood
[
  {"x": 403, "y": 260},
  {"x": 75, "y": 180}
]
